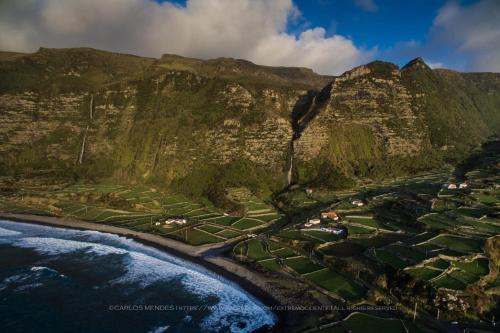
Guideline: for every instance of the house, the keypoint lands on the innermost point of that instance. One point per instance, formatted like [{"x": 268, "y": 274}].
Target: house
[
  {"x": 358, "y": 203},
  {"x": 179, "y": 221},
  {"x": 315, "y": 221},
  {"x": 330, "y": 215},
  {"x": 463, "y": 185}
]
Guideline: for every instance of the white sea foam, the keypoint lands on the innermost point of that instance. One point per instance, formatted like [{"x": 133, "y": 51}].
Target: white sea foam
[
  {"x": 147, "y": 265},
  {"x": 233, "y": 302},
  {"x": 49, "y": 245},
  {"x": 7, "y": 232},
  {"x": 28, "y": 287},
  {"x": 159, "y": 329}
]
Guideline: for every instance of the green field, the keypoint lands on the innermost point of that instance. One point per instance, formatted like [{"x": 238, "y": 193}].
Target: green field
[
  {"x": 302, "y": 265},
  {"x": 459, "y": 244},
  {"x": 337, "y": 283},
  {"x": 363, "y": 323},
  {"x": 245, "y": 224}
]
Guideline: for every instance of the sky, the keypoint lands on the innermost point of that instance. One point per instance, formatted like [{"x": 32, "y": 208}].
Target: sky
[{"x": 329, "y": 36}]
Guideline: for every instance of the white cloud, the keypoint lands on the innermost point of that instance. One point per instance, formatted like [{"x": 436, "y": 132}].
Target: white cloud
[
  {"x": 366, "y": 5},
  {"x": 472, "y": 31},
  {"x": 249, "y": 29}
]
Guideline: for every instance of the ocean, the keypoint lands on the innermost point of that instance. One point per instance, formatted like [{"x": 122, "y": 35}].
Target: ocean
[{"x": 64, "y": 280}]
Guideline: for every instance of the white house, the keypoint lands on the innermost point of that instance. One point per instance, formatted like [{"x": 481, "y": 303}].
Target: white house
[
  {"x": 315, "y": 221},
  {"x": 452, "y": 186}
]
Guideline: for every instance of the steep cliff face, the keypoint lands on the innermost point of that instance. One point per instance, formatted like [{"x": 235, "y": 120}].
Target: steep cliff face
[
  {"x": 89, "y": 113},
  {"x": 190, "y": 123},
  {"x": 380, "y": 120}
]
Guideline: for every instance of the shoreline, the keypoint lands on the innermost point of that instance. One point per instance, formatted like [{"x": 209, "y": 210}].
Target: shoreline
[{"x": 250, "y": 281}]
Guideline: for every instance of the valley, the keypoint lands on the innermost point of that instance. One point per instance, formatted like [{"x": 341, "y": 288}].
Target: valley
[{"x": 372, "y": 197}]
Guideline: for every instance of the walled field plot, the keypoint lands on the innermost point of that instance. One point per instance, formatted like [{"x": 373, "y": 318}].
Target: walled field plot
[
  {"x": 258, "y": 214},
  {"x": 361, "y": 323},
  {"x": 457, "y": 243},
  {"x": 455, "y": 274},
  {"x": 302, "y": 265},
  {"x": 141, "y": 208},
  {"x": 195, "y": 236},
  {"x": 337, "y": 283}
]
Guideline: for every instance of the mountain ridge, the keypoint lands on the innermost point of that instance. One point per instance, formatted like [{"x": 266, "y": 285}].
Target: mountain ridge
[{"x": 190, "y": 124}]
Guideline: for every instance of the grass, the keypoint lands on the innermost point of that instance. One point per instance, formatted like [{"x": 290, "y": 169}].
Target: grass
[
  {"x": 449, "y": 282},
  {"x": 225, "y": 220},
  {"x": 302, "y": 265},
  {"x": 270, "y": 264},
  {"x": 406, "y": 252},
  {"x": 256, "y": 250},
  {"x": 479, "y": 266},
  {"x": 228, "y": 233},
  {"x": 283, "y": 252},
  {"x": 423, "y": 273},
  {"x": 321, "y": 235},
  {"x": 245, "y": 224},
  {"x": 389, "y": 258},
  {"x": 459, "y": 244},
  {"x": 357, "y": 230},
  {"x": 370, "y": 222},
  {"x": 361, "y": 322},
  {"x": 210, "y": 228},
  {"x": 337, "y": 283},
  {"x": 196, "y": 237},
  {"x": 292, "y": 234}
]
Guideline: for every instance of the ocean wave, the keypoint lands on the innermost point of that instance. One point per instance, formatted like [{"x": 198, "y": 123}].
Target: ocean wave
[
  {"x": 234, "y": 304},
  {"x": 146, "y": 265},
  {"x": 7, "y": 232},
  {"x": 54, "y": 246},
  {"x": 159, "y": 329}
]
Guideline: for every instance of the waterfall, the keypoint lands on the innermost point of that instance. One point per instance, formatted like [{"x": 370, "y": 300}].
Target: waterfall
[
  {"x": 82, "y": 150},
  {"x": 91, "y": 107},
  {"x": 290, "y": 168},
  {"x": 305, "y": 118},
  {"x": 91, "y": 116}
]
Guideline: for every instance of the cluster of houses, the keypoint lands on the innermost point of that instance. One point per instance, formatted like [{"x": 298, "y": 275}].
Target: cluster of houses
[
  {"x": 453, "y": 186},
  {"x": 172, "y": 220},
  {"x": 314, "y": 223}
]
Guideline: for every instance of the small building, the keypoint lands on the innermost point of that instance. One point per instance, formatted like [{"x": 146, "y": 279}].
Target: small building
[
  {"x": 330, "y": 215},
  {"x": 357, "y": 203},
  {"x": 463, "y": 185},
  {"x": 315, "y": 221},
  {"x": 179, "y": 221},
  {"x": 450, "y": 186}
]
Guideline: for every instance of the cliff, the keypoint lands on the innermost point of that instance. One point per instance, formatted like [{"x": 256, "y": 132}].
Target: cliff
[{"x": 189, "y": 124}]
